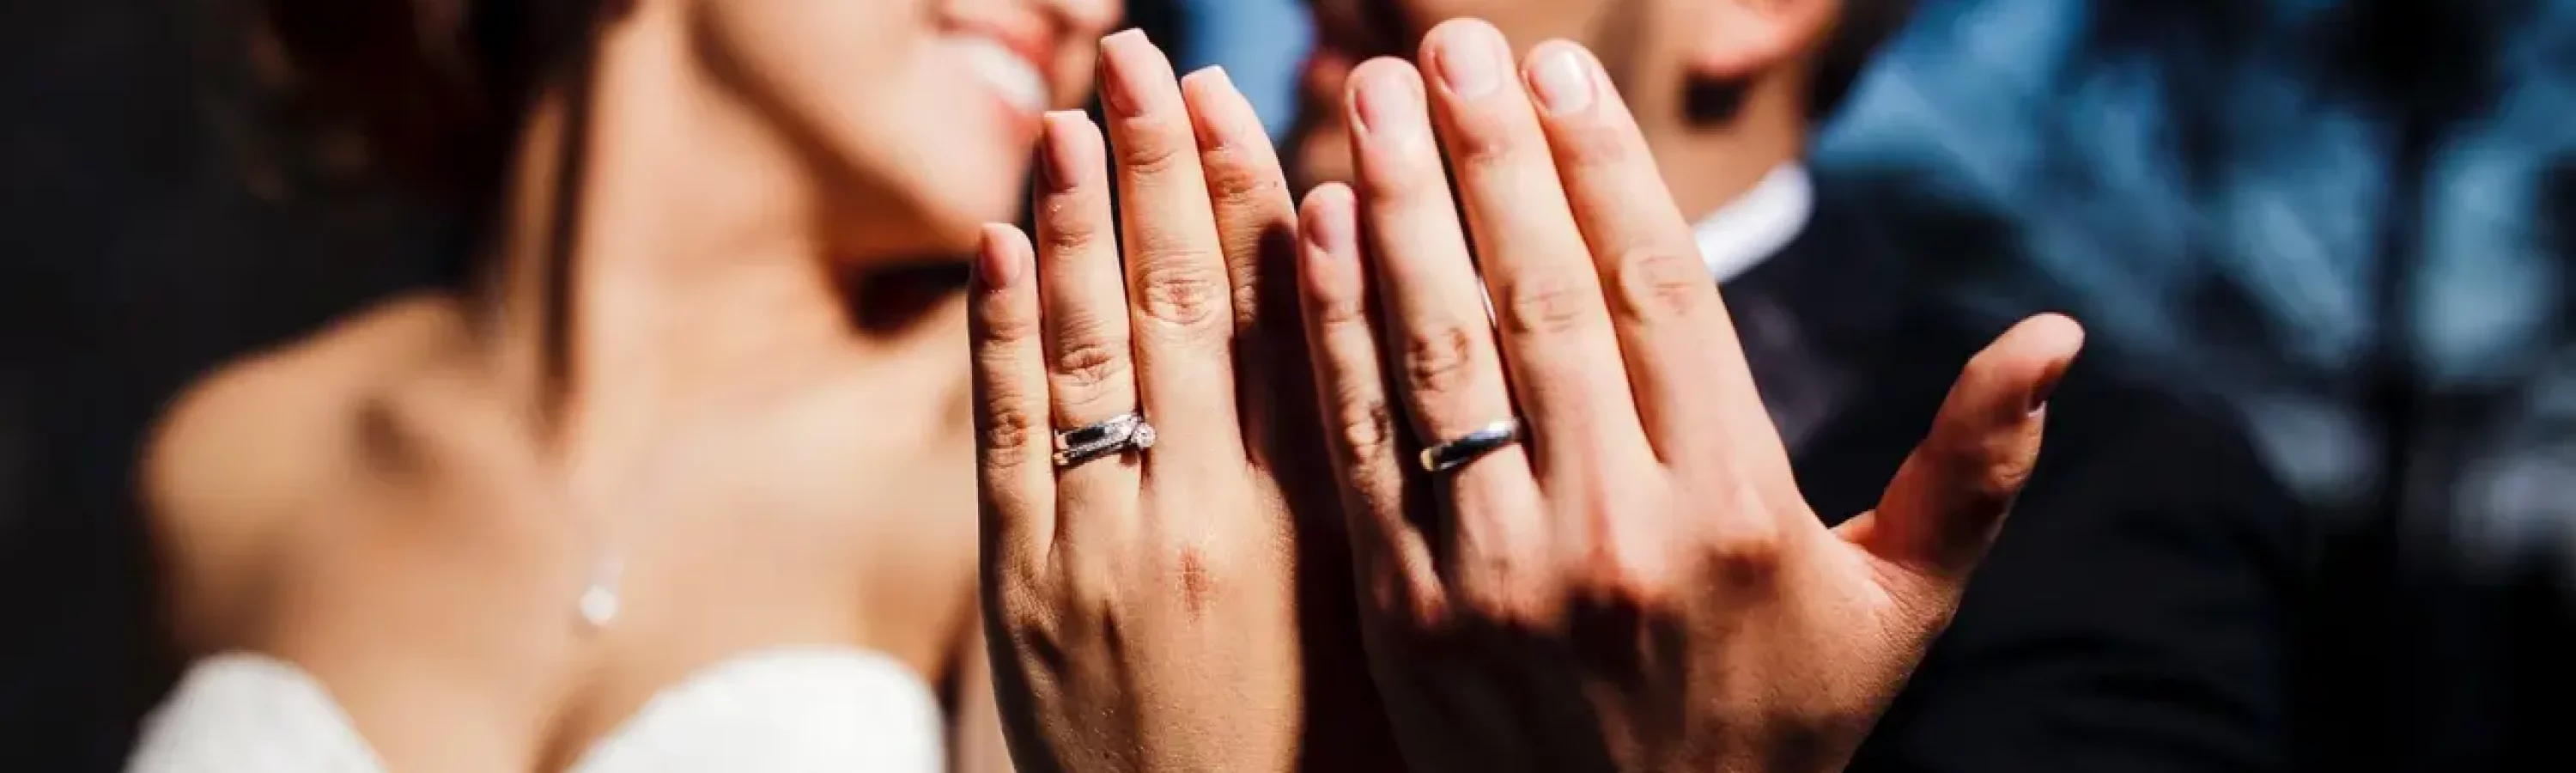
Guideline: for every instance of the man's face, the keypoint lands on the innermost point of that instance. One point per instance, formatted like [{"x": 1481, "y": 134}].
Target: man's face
[{"x": 1347, "y": 32}]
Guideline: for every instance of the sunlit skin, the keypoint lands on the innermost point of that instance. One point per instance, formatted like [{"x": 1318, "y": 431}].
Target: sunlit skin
[
  {"x": 726, "y": 390},
  {"x": 1637, "y": 586},
  {"x": 1654, "y": 50}
]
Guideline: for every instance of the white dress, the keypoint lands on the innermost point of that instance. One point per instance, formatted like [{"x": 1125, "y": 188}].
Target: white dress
[{"x": 773, "y": 711}]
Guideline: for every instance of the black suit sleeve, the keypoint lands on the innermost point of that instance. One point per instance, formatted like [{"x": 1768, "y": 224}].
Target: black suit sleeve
[{"x": 2136, "y": 614}]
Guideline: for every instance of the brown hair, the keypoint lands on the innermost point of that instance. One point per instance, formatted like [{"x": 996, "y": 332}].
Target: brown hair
[{"x": 431, "y": 90}]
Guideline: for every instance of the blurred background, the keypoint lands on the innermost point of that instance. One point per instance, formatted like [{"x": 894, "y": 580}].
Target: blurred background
[{"x": 2347, "y": 222}]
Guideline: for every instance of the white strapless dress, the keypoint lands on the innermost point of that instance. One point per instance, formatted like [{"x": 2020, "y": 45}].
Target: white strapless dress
[{"x": 774, "y": 711}]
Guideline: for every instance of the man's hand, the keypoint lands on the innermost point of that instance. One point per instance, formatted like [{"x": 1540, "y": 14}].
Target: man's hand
[{"x": 1635, "y": 583}]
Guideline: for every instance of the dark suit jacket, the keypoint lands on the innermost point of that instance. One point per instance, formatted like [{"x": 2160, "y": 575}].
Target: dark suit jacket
[
  {"x": 2140, "y": 610},
  {"x": 2348, "y": 221}
]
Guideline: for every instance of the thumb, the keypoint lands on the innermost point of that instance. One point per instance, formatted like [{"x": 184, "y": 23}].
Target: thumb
[{"x": 1950, "y": 498}]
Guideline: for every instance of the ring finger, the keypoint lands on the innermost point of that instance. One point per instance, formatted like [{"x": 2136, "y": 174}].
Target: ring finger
[
  {"x": 1090, "y": 377},
  {"x": 1449, "y": 372},
  {"x": 1557, "y": 341}
]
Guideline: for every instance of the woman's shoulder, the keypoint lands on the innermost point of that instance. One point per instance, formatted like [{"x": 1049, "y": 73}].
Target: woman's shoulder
[
  {"x": 250, "y": 442},
  {"x": 267, "y": 418}
]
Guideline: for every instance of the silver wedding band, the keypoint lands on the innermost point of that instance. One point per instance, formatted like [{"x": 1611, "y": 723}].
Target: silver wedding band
[
  {"x": 1116, "y": 435},
  {"x": 1455, "y": 453}
]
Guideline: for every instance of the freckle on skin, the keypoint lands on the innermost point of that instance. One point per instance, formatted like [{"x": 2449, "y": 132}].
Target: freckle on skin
[{"x": 1197, "y": 586}]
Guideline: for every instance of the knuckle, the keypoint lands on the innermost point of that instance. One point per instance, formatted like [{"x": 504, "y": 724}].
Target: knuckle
[
  {"x": 1033, "y": 637},
  {"x": 1333, "y": 307},
  {"x": 1240, "y": 185},
  {"x": 1549, "y": 303},
  {"x": 1746, "y": 552},
  {"x": 1660, "y": 282},
  {"x": 1592, "y": 144},
  {"x": 1626, "y": 576},
  {"x": 1023, "y": 605},
  {"x": 1994, "y": 470},
  {"x": 1478, "y": 143},
  {"x": 2006, "y": 476},
  {"x": 1154, "y": 150},
  {"x": 1623, "y": 563},
  {"x": 1368, "y": 430},
  {"x": 1090, "y": 363},
  {"x": 1064, "y": 229},
  {"x": 1089, "y": 593},
  {"x": 1004, "y": 324},
  {"x": 1619, "y": 581},
  {"x": 1179, "y": 289},
  {"x": 1024, "y": 617},
  {"x": 1507, "y": 607},
  {"x": 1516, "y": 589},
  {"x": 1398, "y": 186},
  {"x": 1246, "y": 303},
  {"x": 1439, "y": 360},
  {"x": 1425, "y": 616},
  {"x": 1986, "y": 468},
  {"x": 1006, "y": 430}
]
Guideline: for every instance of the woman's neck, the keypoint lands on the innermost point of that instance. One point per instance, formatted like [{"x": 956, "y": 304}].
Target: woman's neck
[{"x": 656, "y": 249}]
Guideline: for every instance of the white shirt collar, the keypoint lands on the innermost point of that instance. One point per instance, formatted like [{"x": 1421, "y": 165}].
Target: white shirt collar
[{"x": 1758, "y": 224}]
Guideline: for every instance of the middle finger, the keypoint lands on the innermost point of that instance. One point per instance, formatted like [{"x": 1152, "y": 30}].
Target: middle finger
[{"x": 1179, "y": 294}]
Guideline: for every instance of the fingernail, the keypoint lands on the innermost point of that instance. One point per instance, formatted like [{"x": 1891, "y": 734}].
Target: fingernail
[
  {"x": 1561, "y": 76},
  {"x": 1328, "y": 222},
  {"x": 1203, "y": 122},
  {"x": 1130, "y": 62},
  {"x": 1058, "y": 168},
  {"x": 996, "y": 264},
  {"x": 1389, "y": 105},
  {"x": 1469, "y": 58}
]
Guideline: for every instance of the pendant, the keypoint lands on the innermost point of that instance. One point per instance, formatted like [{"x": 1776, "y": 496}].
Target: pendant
[{"x": 599, "y": 600}]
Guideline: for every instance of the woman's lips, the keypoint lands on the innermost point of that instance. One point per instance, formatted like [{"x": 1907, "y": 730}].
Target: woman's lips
[{"x": 1003, "y": 70}]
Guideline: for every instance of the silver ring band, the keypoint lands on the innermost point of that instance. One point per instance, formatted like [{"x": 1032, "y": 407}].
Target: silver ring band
[
  {"x": 1118, "y": 434},
  {"x": 1455, "y": 453}
]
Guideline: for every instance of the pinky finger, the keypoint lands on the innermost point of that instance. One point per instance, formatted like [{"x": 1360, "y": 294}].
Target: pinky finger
[
  {"x": 1014, "y": 476},
  {"x": 1392, "y": 553}
]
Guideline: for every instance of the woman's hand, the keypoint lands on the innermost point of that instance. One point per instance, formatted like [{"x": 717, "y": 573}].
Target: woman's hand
[
  {"x": 1637, "y": 584},
  {"x": 1142, "y": 603}
]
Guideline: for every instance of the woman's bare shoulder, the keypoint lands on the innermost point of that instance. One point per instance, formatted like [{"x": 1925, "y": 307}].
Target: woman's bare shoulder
[{"x": 261, "y": 437}]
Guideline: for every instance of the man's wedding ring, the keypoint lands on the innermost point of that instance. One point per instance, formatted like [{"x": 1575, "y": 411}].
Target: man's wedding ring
[
  {"x": 1455, "y": 453},
  {"x": 1119, "y": 434}
]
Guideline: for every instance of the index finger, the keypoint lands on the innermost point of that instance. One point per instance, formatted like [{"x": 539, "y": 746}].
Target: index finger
[{"x": 1010, "y": 376}]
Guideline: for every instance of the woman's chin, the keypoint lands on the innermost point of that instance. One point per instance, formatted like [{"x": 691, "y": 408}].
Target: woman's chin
[
  {"x": 931, "y": 231},
  {"x": 961, "y": 232},
  {"x": 958, "y": 214}
]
